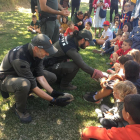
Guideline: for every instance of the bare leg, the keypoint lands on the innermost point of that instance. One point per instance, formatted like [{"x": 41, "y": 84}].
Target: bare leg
[
  {"x": 100, "y": 41},
  {"x": 103, "y": 93}
]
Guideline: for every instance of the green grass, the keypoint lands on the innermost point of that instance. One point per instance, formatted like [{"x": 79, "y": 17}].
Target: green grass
[{"x": 49, "y": 123}]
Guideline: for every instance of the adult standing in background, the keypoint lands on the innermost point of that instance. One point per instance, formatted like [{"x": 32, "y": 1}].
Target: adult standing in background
[
  {"x": 48, "y": 11},
  {"x": 114, "y": 6},
  {"x": 90, "y": 6},
  {"x": 97, "y": 20},
  {"x": 75, "y": 4},
  {"x": 64, "y": 3},
  {"x": 135, "y": 14}
]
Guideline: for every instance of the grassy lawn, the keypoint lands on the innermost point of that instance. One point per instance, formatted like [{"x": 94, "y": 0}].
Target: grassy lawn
[{"x": 49, "y": 123}]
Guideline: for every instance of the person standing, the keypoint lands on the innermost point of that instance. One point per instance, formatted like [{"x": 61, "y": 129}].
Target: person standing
[
  {"x": 97, "y": 20},
  {"x": 90, "y": 6},
  {"x": 48, "y": 11},
  {"x": 75, "y": 4},
  {"x": 21, "y": 72},
  {"x": 114, "y": 6}
]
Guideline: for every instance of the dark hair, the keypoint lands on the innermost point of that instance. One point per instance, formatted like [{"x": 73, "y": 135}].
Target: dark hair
[
  {"x": 129, "y": 26},
  {"x": 132, "y": 106},
  {"x": 76, "y": 35},
  {"x": 89, "y": 23},
  {"x": 128, "y": 41},
  {"x": 65, "y": 18},
  {"x": 33, "y": 16},
  {"x": 117, "y": 15},
  {"x": 131, "y": 70},
  {"x": 87, "y": 14},
  {"x": 125, "y": 58},
  {"x": 79, "y": 13}
]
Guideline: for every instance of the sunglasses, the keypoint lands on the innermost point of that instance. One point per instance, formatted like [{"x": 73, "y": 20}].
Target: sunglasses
[{"x": 116, "y": 18}]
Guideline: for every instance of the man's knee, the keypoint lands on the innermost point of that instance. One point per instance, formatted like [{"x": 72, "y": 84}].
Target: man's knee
[
  {"x": 50, "y": 77},
  {"x": 23, "y": 85},
  {"x": 71, "y": 68}
]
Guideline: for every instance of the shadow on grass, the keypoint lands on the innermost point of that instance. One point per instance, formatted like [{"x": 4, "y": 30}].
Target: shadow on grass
[{"x": 49, "y": 123}]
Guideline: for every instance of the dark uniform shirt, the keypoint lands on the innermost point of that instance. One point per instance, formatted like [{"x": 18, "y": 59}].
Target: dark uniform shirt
[
  {"x": 52, "y": 4},
  {"x": 20, "y": 62},
  {"x": 68, "y": 49}
]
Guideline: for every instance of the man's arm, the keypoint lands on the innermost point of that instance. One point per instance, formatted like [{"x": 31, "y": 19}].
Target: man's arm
[
  {"x": 43, "y": 82},
  {"x": 39, "y": 92},
  {"x": 47, "y": 9}
]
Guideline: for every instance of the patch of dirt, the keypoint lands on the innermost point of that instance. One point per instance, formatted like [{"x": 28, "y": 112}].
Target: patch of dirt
[{"x": 12, "y": 7}]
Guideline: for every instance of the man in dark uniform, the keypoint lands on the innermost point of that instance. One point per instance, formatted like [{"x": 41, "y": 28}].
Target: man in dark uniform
[
  {"x": 68, "y": 48},
  {"x": 48, "y": 11},
  {"x": 113, "y": 6},
  {"x": 90, "y": 6},
  {"x": 21, "y": 70}
]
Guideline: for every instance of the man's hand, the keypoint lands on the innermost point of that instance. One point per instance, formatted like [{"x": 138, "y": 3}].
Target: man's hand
[
  {"x": 56, "y": 94},
  {"x": 79, "y": 23},
  {"x": 60, "y": 102},
  {"x": 97, "y": 74},
  {"x": 64, "y": 12}
]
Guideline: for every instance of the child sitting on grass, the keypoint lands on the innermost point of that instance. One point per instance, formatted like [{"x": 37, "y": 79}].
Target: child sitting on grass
[
  {"x": 115, "y": 29},
  {"x": 135, "y": 36},
  {"x": 130, "y": 113},
  {"x": 126, "y": 47},
  {"x": 114, "y": 46},
  {"x": 64, "y": 25},
  {"x": 131, "y": 73},
  {"x": 70, "y": 29},
  {"x": 106, "y": 34},
  {"x": 34, "y": 26},
  {"x": 135, "y": 55},
  {"x": 112, "y": 117},
  {"x": 88, "y": 27},
  {"x": 87, "y": 18}
]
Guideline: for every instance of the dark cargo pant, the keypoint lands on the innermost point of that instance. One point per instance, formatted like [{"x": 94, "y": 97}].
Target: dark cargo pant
[
  {"x": 51, "y": 29},
  {"x": 21, "y": 88},
  {"x": 65, "y": 72}
]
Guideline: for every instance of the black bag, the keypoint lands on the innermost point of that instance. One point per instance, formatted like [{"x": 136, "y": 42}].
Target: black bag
[{"x": 102, "y": 13}]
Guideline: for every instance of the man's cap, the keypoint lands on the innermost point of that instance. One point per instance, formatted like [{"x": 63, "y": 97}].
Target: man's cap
[
  {"x": 106, "y": 23},
  {"x": 87, "y": 36},
  {"x": 44, "y": 42}
]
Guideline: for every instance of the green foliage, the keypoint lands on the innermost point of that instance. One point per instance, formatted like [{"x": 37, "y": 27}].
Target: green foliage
[{"x": 49, "y": 123}]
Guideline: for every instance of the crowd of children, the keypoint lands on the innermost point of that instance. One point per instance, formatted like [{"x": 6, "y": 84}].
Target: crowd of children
[{"x": 120, "y": 39}]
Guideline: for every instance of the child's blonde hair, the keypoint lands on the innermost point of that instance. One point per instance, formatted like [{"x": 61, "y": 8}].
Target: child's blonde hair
[
  {"x": 135, "y": 54},
  {"x": 69, "y": 23},
  {"x": 127, "y": 34},
  {"x": 124, "y": 88}
]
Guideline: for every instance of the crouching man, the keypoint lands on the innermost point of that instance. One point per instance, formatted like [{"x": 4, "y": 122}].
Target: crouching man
[{"x": 21, "y": 72}]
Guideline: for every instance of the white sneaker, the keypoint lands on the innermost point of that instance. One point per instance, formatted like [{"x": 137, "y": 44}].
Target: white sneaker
[{"x": 99, "y": 113}]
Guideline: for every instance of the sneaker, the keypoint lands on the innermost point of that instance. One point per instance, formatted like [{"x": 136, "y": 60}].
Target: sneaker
[
  {"x": 102, "y": 53},
  {"x": 96, "y": 51},
  {"x": 99, "y": 113},
  {"x": 68, "y": 87},
  {"x": 89, "y": 97},
  {"x": 24, "y": 117}
]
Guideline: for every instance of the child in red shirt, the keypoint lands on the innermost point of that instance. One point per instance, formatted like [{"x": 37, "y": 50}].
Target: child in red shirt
[
  {"x": 70, "y": 29},
  {"x": 131, "y": 114},
  {"x": 126, "y": 47}
]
